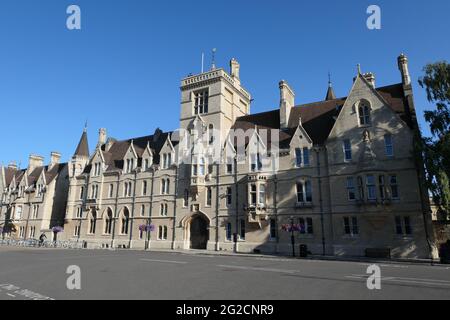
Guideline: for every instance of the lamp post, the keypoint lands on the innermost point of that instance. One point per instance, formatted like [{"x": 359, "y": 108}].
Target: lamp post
[{"x": 292, "y": 236}]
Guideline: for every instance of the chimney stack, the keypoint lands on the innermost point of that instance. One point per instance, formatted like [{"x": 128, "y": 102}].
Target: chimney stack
[
  {"x": 34, "y": 161},
  {"x": 234, "y": 68},
  {"x": 101, "y": 137},
  {"x": 13, "y": 165},
  {"x": 403, "y": 67},
  {"x": 55, "y": 157},
  {"x": 287, "y": 102},
  {"x": 370, "y": 77}
]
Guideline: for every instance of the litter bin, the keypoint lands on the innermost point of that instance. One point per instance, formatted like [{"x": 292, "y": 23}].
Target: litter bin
[{"x": 303, "y": 251}]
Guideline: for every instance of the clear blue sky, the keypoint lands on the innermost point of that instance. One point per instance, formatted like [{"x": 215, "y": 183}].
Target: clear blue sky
[{"x": 122, "y": 70}]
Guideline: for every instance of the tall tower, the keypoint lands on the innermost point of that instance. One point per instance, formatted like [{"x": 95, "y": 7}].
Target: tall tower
[{"x": 216, "y": 97}]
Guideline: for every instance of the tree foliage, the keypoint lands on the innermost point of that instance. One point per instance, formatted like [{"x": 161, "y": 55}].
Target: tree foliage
[{"x": 436, "y": 150}]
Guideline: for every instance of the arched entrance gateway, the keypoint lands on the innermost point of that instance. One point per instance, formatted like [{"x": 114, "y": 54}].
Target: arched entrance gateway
[{"x": 198, "y": 232}]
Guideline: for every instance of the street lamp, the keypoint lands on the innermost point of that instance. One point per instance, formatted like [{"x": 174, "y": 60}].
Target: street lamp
[{"x": 292, "y": 236}]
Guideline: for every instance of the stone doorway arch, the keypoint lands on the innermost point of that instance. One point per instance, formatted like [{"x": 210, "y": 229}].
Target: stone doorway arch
[{"x": 197, "y": 228}]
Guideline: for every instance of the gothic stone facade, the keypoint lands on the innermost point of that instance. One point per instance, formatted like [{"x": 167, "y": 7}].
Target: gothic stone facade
[
  {"x": 33, "y": 200},
  {"x": 341, "y": 170}
]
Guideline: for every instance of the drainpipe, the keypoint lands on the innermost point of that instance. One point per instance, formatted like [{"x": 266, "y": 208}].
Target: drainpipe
[
  {"x": 28, "y": 218},
  {"x": 235, "y": 236},
  {"x": 116, "y": 204},
  {"x": 132, "y": 210},
  {"x": 275, "y": 204},
  {"x": 217, "y": 205},
  {"x": 174, "y": 225},
  {"x": 147, "y": 246},
  {"x": 320, "y": 199}
]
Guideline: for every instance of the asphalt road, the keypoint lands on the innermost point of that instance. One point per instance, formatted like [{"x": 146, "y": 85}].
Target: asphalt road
[{"x": 41, "y": 273}]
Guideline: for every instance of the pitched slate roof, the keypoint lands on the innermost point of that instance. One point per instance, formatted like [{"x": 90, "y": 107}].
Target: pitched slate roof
[
  {"x": 317, "y": 118},
  {"x": 115, "y": 154},
  {"x": 83, "y": 146}
]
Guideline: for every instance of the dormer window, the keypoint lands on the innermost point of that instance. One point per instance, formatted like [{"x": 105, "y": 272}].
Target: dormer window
[
  {"x": 147, "y": 164},
  {"x": 97, "y": 167},
  {"x": 364, "y": 113},
  {"x": 301, "y": 157},
  {"x": 40, "y": 187},
  {"x": 129, "y": 165},
  {"x": 201, "y": 102},
  {"x": 167, "y": 160}
]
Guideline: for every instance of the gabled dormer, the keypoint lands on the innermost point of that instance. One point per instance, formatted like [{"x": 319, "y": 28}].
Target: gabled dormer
[
  {"x": 147, "y": 158},
  {"x": 229, "y": 156},
  {"x": 367, "y": 125},
  {"x": 97, "y": 163},
  {"x": 40, "y": 185},
  {"x": 167, "y": 154},
  {"x": 130, "y": 160},
  {"x": 300, "y": 147},
  {"x": 257, "y": 153}
]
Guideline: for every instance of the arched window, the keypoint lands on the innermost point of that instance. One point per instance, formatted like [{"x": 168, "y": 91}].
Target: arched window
[
  {"x": 111, "y": 191},
  {"x": 142, "y": 210},
  {"x": 108, "y": 222},
  {"x": 160, "y": 232},
  {"x": 163, "y": 186},
  {"x": 125, "y": 221},
  {"x": 144, "y": 188},
  {"x": 165, "y": 233},
  {"x": 166, "y": 186},
  {"x": 93, "y": 222},
  {"x": 364, "y": 113}
]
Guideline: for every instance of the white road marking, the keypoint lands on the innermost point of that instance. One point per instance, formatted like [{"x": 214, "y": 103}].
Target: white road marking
[
  {"x": 275, "y": 259},
  {"x": 258, "y": 269},
  {"x": 432, "y": 282},
  {"x": 22, "y": 293},
  {"x": 164, "y": 261}
]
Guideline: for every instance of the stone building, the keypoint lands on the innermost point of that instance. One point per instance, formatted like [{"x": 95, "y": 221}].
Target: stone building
[
  {"x": 33, "y": 200},
  {"x": 341, "y": 171}
]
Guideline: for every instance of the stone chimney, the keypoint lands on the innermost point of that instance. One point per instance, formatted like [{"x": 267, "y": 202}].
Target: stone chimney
[
  {"x": 55, "y": 157},
  {"x": 13, "y": 165},
  {"x": 34, "y": 161},
  {"x": 370, "y": 77},
  {"x": 234, "y": 68},
  {"x": 287, "y": 102},
  {"x": 101, "y": 137},
  {"x": 403, "y": 67}
]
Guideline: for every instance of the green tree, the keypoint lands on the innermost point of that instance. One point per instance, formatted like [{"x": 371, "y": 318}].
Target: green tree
[{"x": 436, "y": 150}]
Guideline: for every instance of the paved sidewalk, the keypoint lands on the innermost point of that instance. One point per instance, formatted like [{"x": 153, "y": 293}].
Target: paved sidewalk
[{"x": 310, "y": 257}]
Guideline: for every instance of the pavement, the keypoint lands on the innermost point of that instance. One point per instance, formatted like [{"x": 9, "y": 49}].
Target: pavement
[{"x": 122, "y": 274}]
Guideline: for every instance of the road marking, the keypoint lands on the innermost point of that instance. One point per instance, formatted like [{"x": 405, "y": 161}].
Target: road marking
[
  {"x": 164, "y": 261},
  {"x": 258, "y": 269},
  {"x": 274, "y": 259},
  {"x": 432, "y": 282}
]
